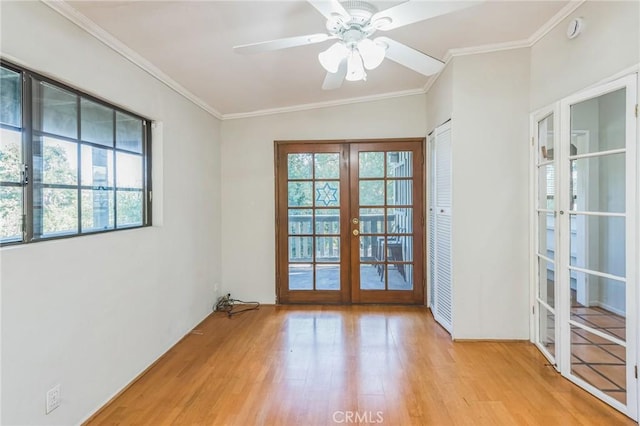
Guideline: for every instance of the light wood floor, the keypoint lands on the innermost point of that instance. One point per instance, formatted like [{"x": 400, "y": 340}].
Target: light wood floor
[{"x": 319, "y": 365}]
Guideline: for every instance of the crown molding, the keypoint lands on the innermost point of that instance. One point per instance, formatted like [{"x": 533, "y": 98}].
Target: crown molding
[
  {"x": 554, "y": 21},
  {"x": 327, "y": 104},
  {"x": 485, "y": 48},
  {"x": 119, "y": 47},
  {"x": 433, "y": 79}
]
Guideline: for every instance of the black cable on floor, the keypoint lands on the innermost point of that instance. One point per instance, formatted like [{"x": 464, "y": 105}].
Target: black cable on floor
[{"x": 227, "y": 304}]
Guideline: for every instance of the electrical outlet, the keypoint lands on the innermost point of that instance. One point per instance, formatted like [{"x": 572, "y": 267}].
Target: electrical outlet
[{"x": 53, "y": 398}]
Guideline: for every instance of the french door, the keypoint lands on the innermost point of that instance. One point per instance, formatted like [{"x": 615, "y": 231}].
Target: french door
[
  {"x": 350, "y": 221},
  {"x": 585, "y": 266}
]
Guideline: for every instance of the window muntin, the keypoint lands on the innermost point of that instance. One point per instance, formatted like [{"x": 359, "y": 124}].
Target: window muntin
[
  {"x": 11, "y": 169},
  {"x": 86, "y": 167}
]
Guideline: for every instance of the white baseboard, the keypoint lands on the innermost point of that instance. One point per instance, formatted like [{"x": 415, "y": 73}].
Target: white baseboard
[{"x": 608, "y": 308}]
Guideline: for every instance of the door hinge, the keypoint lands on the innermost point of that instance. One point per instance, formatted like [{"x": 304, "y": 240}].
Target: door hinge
[
  {"x": 24, "y": 223},
  {"x": 635, "y": 371},
  {"x": 150, "y": 196},
  {"x": 636, "y": 110},
  {"x": 25, "y": 174},
  {"x": 533, "y": 310}
]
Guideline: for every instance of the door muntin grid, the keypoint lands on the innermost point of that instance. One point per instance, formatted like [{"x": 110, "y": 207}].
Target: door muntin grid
[
  {"x": 386, "y": 220},
  {"x": 313, "y": 231},
  {"x": 545, "y": 262},
  {"x": 596, "y": 244}
]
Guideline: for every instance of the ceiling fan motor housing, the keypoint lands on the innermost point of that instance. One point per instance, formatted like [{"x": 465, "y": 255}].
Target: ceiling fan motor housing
[
  {"x": 359, "y": 18},
  {"x": 360, "y": 11}
]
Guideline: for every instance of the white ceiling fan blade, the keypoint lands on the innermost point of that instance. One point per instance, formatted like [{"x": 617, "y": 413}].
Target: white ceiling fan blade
[
  {"x": 328, "y": 8},
  {"x": 410, "y": 58},
  {"x": 415, "y": 11},
  {"x": 334, "y": 80},
  {"x": 281, "y": 43}
]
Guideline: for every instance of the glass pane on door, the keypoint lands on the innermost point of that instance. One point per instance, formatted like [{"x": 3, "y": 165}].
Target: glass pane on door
[
  {"x": 596, "y": 244},
  {"x": 591, "y": 168},
  {"x": 601, "y": 119},
  {"x": 545, "y": 151},
  {"x": 313, "y": 206},
  {"x": 546, "y": 187},
  {"x": 547, "y": 282},
  {"x": 385, "y": 190},
  {"x": 599, "y": 362},
  {"x": 547, "y": 330},
  {"x": 606, "y": 317},
  {"x": 546, "y": 236},
  {"x": 607, "y": 234}
]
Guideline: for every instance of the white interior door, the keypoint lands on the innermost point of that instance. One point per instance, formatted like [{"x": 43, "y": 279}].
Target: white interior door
[
  {"x": 545, "y": 136},
  {"x": 440, "y": 230},
  {"x": 431, "y": 221},
  {"x": 585, "y": 238},
  {"x": 597, "y": 253}
]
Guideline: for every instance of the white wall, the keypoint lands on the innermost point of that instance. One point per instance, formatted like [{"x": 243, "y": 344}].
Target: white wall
[
  {"x": 90, "y": 313},
  {"x": 490, "y": 195},
  {"x": 248, "y": 210},
  {"x": 609, "y": 44},
  {"x": 440, "y": 98}
]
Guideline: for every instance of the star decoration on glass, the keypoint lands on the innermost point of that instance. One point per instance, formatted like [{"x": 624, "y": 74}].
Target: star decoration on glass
[{"x": 327, "y": 194}]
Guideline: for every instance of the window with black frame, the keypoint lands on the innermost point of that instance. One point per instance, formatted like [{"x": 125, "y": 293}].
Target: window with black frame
[
  {"x": 85, "y": 167},
  {"x": 11, "y": 163}
]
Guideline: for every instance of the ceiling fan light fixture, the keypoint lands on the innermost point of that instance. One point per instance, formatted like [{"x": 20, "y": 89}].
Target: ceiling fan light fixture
[
  {"x": 355, "y": 68},
  {"x": 330, "y": 59},
  {"x": 372, "y": 53}
]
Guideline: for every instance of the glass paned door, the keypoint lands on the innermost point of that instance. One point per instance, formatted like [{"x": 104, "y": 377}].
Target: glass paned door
[
  {"x": 585, "y": 233},
  {"x": 312, "y": 187},
  {"x": 349, "y": 222},
  {"x": 598, "y": 268},
  {"x": 387, "y": 222},
  {"x": 545, "y": 234}
]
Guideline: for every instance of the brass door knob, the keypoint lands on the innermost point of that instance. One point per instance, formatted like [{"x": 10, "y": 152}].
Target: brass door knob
[
  {"x": 356, "y": 232},
  {"x": 355, "y": 221}
]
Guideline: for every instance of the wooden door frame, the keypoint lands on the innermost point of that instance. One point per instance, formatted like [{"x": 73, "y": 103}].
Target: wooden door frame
[
  {"x": 345, "y": 295},
  {"x": 281, "y": 179}
]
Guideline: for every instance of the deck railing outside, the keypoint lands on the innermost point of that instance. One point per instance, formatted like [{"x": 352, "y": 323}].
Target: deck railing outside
[{"x": 327, "y": 250}]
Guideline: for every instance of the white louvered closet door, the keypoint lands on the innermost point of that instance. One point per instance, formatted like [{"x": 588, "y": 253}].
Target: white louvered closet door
[
  {"x": 431, "y": 219},
  {"x": 441, "y": 177}
]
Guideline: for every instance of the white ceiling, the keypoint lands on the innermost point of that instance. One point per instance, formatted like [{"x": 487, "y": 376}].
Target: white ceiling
[{"x": 191, "y": 42}]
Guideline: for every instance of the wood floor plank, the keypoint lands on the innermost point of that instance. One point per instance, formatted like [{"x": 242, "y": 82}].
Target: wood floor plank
[{"x": 315, "y": 365}]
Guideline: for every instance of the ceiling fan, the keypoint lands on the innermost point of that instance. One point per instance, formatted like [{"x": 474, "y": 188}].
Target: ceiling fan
[{"x": 352, "y": 23}]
